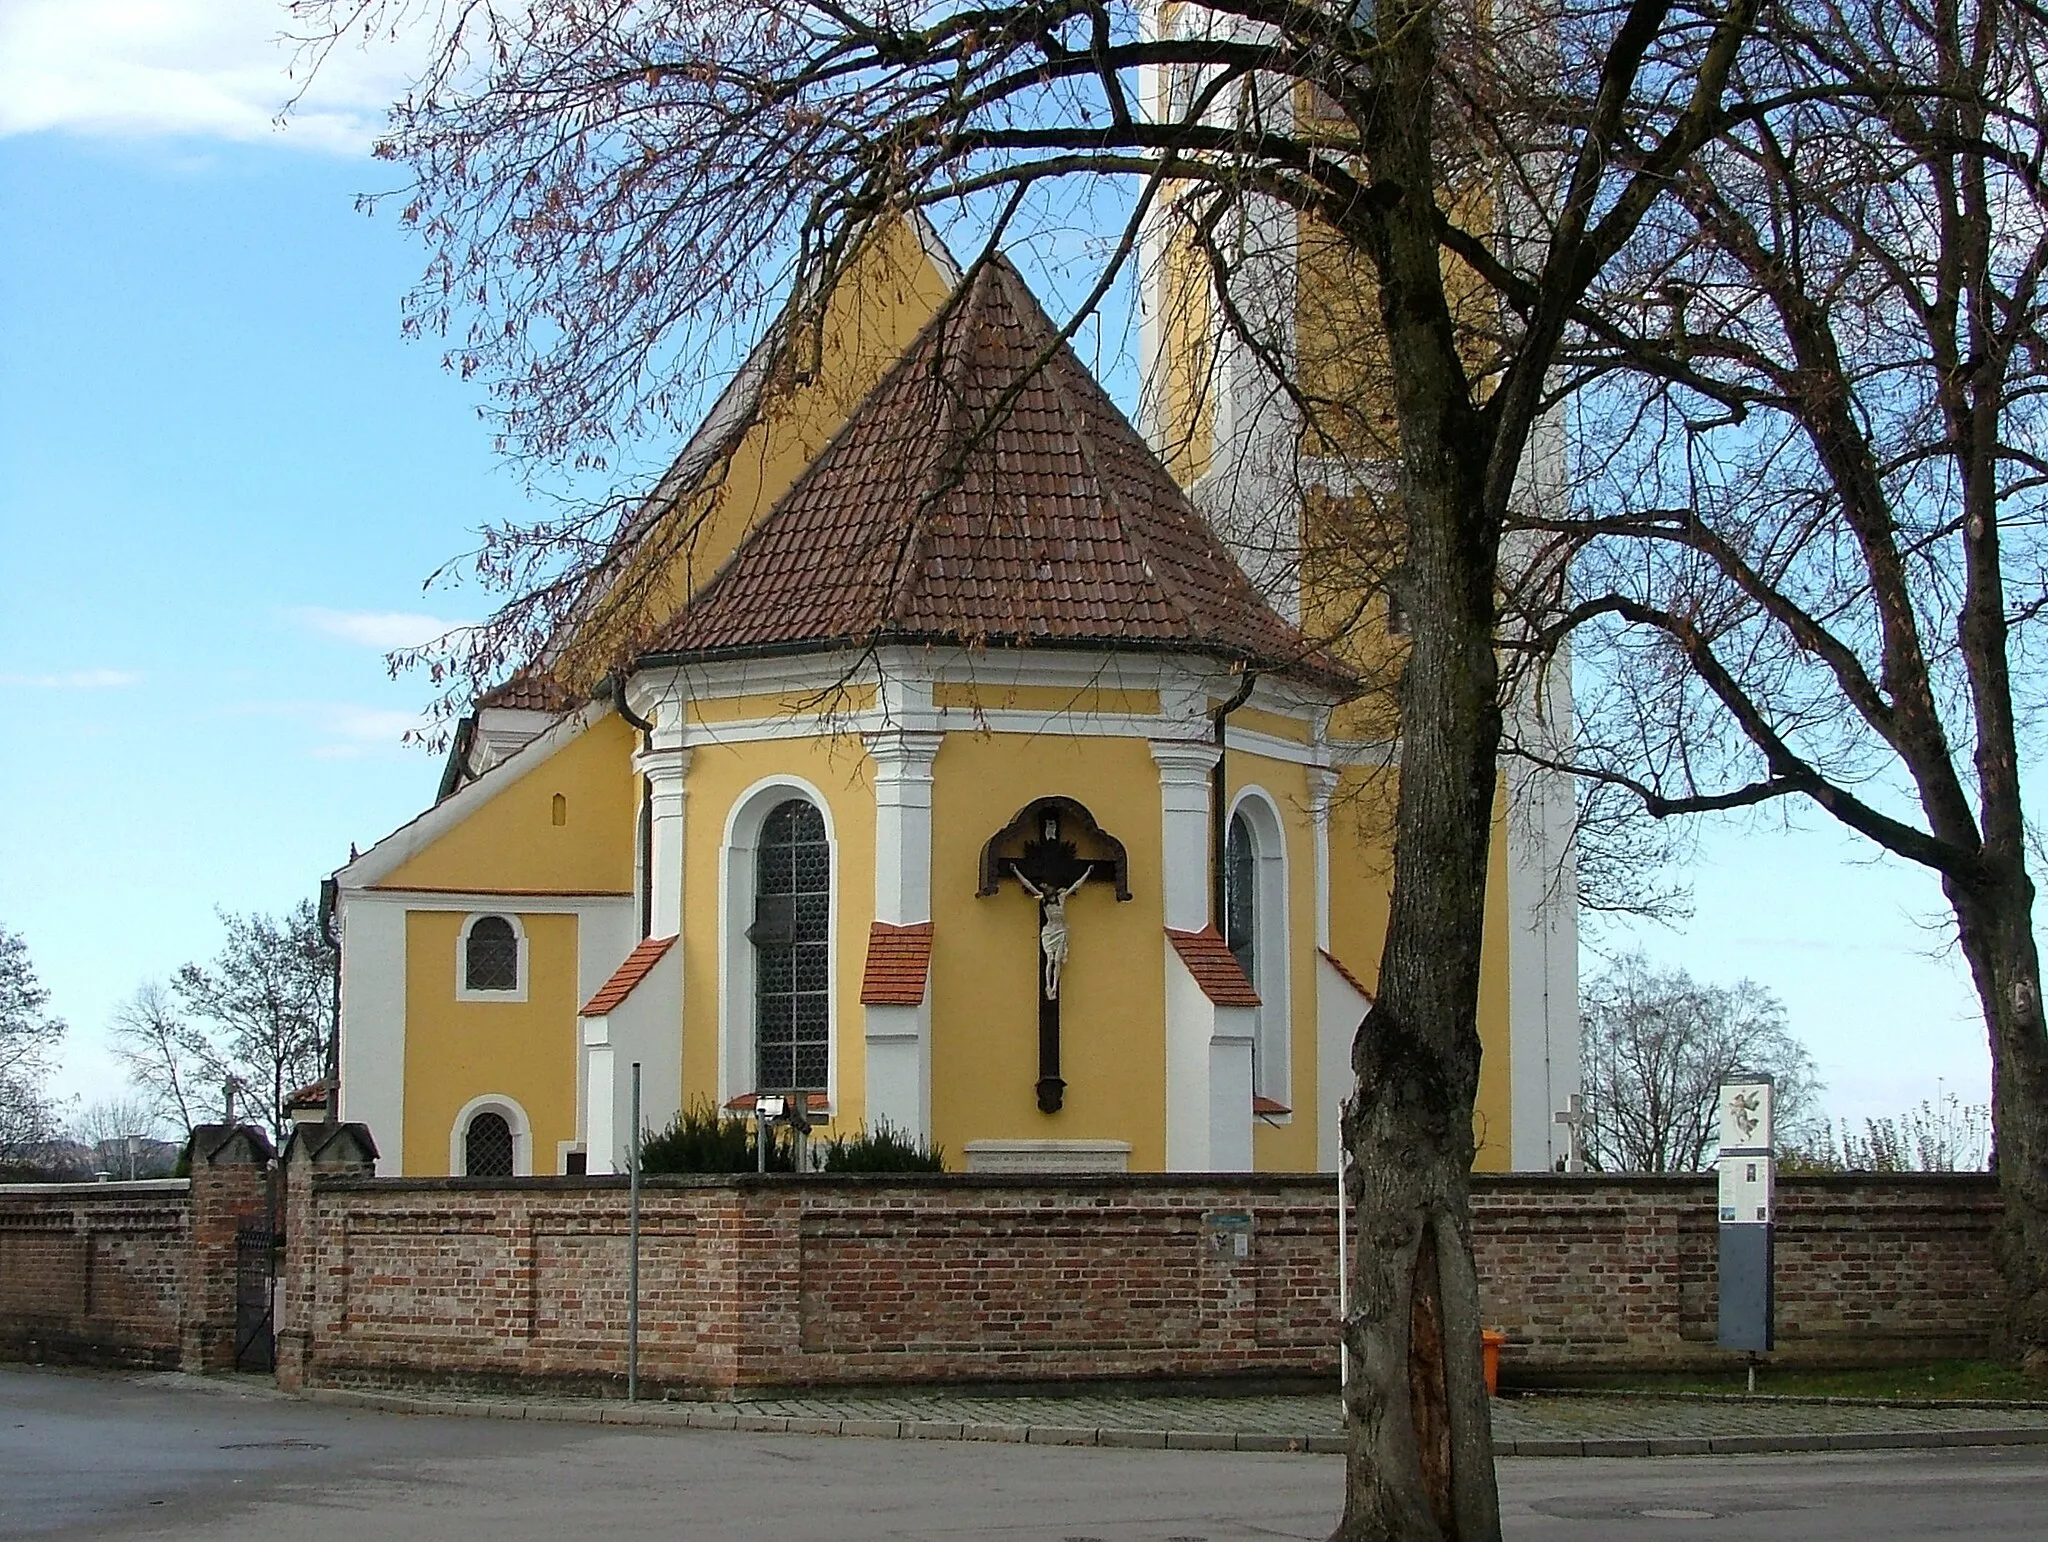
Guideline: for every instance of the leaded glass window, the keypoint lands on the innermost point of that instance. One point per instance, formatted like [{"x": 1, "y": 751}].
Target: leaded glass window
[
  {"x": 487, "y": 1146},
  {"x": 491, "y": 956},
  {"x": 1241, "y": 896},
  {"x": 791, "y": 937}
]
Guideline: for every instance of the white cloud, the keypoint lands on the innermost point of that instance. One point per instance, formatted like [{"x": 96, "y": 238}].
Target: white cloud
[
  {"x": 366, "y": 725},
  {"x": 218, "y": 69},
  {"x": 75, "y": 680},
  {"x": 383, "y": 630}
]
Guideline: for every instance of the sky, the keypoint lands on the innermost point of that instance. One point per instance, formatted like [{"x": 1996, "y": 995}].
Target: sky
[{"x": 224, "y": 477}]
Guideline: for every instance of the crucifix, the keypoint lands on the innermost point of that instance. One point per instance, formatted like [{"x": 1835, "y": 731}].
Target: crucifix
[
  {"x": 1573, "y": 1118},
  {"x": 1043, "y": 850}
]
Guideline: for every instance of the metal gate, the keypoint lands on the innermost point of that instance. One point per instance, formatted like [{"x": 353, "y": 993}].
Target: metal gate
[{"x": 255, "y": 1325}]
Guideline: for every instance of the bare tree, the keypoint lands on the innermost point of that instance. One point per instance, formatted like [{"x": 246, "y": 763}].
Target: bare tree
[
  {"x": 169, "y": 1057},
  {"x": 268, "y": 1000},
  {"x": 613, "y": 189},
  {"x": 1815, "y": 389},
  {"x": 28, "y": 1039},
  {"x": 1657, "y": 1044}
]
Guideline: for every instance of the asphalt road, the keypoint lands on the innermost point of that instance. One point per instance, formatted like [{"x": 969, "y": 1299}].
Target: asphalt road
[{"x": 104, "y": 1457}]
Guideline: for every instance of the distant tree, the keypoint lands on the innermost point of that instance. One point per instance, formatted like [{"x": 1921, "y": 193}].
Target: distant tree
[
  {"x": 172, "y": 1059},
  {"x": 1941, "y": 1135},
  {"x": 1657, "y": 1045},
  {"x": 28, "y": 1040},
  {"x": 267, "y": 1003}
]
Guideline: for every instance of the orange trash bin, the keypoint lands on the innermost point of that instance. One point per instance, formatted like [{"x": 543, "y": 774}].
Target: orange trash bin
[{"x": 1490, "y": 1341}]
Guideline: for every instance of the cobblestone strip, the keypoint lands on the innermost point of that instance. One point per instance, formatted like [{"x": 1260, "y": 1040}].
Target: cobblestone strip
[{"x": 1634, "y": 1428}]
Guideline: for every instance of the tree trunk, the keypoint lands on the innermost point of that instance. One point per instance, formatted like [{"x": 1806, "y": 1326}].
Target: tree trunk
[
  {"x": 1994, "y": 922},
  {"x": 1420, "y": 1459},
  {"x": 1421, "y": 1441}
]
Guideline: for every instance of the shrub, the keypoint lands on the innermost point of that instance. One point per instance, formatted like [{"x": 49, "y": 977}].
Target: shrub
[
  {"x": 701, "y": 1139},
  {"x": 883, "y": 1149}
]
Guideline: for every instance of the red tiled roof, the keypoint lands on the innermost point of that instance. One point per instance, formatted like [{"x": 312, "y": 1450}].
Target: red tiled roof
[
  {"x": 1350, "y": 979},
  {"x": 1269, "y": 1108},
  {"x": 627, "y": 975},
  {"x": 527, "y": 692},
  {"x": 899, "y": 962},
  {"x": 1214, "y": 967},
  {"x": 988, "y": 492}
]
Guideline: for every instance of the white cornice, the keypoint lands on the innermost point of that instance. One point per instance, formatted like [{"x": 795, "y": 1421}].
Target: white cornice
[{"x": 498, "y": 903}]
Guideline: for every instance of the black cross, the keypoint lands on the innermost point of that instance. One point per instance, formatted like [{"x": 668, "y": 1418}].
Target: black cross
[
  {"x": 1052, "y": 865},
  {"x": 1043, "y": 844}
]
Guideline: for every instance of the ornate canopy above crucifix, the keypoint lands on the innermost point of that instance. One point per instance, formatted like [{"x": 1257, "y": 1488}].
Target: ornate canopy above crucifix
[{"x": 1053, "y": 842}]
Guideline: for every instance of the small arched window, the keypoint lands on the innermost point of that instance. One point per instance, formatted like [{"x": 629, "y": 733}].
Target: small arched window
[
  {"x": 791, "y": 935},
  {"x": 490, "y": 958},
  {"x": 487, "y": 1146}
]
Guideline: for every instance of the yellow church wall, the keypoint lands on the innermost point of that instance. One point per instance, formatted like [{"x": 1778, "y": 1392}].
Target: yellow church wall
[
  {"x": 1186, "y": 406},
  {"x": 892, "y": 289},
  {"x": 1361, "y": 880},
  {"x": 1289, "y": 1147},
  {"x": 984, "y": 979},
  {"x": 974, "y": 696},
  {"x": 744, "y": 709},
  {"x": 720, "y": 775},
  {"x": 511, "y": 844},
  {"x": 459, "y": 1050}
]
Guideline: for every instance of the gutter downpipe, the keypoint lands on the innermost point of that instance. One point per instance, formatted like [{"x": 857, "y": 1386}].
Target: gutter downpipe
[
  {"x": 1219, "y": 818},
  {"x": 645, "y": 823}
]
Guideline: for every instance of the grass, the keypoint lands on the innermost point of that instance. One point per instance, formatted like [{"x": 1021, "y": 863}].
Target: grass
[{"x": 1972, "y": 1380}]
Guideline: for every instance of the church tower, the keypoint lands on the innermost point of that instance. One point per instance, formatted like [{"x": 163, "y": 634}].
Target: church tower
[{"x": 1264, "y": 389}]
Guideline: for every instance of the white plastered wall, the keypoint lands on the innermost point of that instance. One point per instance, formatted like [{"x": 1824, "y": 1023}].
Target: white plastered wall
[{"x": 641, "y": 1028}]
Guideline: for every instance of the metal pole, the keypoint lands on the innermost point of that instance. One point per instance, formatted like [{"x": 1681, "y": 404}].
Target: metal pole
[
  {"x": 633, "y": 1249},
  {"x": 1343, "y": 1271}
]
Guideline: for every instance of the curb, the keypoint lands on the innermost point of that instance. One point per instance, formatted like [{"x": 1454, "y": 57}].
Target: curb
[{"x": 701, "y": 1416}]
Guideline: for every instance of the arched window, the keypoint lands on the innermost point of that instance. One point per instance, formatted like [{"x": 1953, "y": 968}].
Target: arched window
[
  {"x": 491, "y": 1137},
  {"x": 487, "y": 1145},
  {"x": 490, "y": 955},
  {"x": 1255, "y": 928},
  {"x": 791, "y": 936},
  {"x": 1241, "y": 896}
]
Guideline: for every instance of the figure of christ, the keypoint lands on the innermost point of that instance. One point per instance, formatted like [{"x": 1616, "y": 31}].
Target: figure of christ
[{"x": 1052, "y": 932}]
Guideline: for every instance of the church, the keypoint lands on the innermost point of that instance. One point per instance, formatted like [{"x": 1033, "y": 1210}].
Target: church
[{"x": 958, "y": 778}]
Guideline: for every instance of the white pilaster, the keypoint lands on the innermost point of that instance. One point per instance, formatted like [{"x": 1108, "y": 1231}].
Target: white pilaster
[
  {"x": 600, "y": 1112},
  {"x": 1322, "y": 787},
  {"x": 1184, "y": 767},
  {"x": 903, "y": 824},
  {"x": 665, "y": 767},
  {"x": 899, "y": 1038}
]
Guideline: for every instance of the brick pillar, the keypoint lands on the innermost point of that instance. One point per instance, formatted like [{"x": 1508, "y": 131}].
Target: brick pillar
[
  {"x": 314, "y": 1151},
  {"x": 230, "y": 1187}
]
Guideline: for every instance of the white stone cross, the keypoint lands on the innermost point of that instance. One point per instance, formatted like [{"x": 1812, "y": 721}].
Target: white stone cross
[{"x": 1573, "y": 1118}]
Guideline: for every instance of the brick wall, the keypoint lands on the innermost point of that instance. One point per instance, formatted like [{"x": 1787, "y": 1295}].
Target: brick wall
[
  {"x": 93, "y": 1273},
  {"x": 750, "y": 1283},
  {"x": 1597, "y": 1272},
  {"x": 132, "y": 1273}
]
